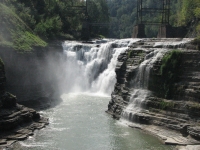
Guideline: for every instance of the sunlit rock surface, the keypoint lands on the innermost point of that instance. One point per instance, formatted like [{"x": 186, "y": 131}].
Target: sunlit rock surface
[{"x": 137, "y": 97}]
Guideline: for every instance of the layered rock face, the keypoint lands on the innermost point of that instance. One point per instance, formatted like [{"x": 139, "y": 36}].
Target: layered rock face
[
  {"x": 126, "y": 69},
  {"x": 16, "y": 121},
  {"x": 181, "y": 112}
]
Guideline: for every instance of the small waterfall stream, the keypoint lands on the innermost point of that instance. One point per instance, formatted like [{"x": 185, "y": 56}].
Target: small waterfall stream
[{"x": 139, "y": 84}]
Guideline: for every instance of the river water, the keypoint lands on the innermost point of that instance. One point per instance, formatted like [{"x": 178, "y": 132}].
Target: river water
[{"x": 79, "y": 122}]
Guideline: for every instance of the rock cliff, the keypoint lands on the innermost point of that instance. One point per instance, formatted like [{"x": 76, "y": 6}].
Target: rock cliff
[
  {"x": 33, "y": 76},
  {"x": 17, "y": 122},
  {"x": 180, "y": 112}
]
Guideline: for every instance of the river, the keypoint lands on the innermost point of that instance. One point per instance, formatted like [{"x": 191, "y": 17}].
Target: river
[{"x": 79, "y": 122}]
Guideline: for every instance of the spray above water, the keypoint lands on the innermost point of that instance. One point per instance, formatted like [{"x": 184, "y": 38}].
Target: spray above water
[{"x": 91, "y": 67}]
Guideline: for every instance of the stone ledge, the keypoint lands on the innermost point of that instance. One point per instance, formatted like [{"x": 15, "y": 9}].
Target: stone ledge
[
  {"x": 188, "y": 147},
  {"x": 174, "y": 116},
  {"x": 167, "y": 136},
  {"x": 7, "y": 138}
]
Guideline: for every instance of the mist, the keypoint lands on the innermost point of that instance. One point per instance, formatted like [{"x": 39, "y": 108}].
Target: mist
[
  {"x": 72, "y": 67},
  {"x": 34, "y": 75}
]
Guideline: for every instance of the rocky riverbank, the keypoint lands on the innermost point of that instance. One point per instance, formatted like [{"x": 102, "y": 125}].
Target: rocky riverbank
[
  {"x": 160, "y": 115},
  {"x": 33, "y": 83},
  {"x": 17, "y": 122}
]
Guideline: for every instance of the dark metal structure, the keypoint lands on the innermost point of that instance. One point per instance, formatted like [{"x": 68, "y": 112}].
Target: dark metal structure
[
  {"x": 87, "y": 23},
  {"x": 162, "y": 9},
  {"x": 81, "y": 8}
]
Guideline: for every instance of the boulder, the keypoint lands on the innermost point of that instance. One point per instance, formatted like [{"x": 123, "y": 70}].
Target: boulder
[{"x": 194, "y": 132}]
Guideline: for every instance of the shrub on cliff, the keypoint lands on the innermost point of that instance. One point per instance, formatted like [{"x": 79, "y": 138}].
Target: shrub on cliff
[{"x": 170, "y": 70}]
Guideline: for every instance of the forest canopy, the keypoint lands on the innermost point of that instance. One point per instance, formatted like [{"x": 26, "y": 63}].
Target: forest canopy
[
  {"x": 123, "y": 16},
  {"x": 35, "y": 21},
  {"x": 44, "y": 20}
]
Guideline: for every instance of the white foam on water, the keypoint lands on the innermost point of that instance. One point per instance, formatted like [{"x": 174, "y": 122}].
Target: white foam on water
[{"x": 35, "y": 144}]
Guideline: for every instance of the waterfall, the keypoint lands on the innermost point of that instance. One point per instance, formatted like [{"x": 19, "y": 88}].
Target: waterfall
[
  {"x": 172, "y": 43},
  {"x": 91, "y": 67},
  {"x": 140, "y": 84},
  {"x": 155, "y": 49}
]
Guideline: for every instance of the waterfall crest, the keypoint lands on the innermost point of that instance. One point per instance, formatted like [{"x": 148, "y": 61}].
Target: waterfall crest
[{"x": 91, "y": 67}]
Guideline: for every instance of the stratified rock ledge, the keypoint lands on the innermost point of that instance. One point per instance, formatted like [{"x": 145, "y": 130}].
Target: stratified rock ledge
[
  {"x": 18, "y": 123},
  {"x": 169, "y": 137},
  {"x": 175, "y": 120}
]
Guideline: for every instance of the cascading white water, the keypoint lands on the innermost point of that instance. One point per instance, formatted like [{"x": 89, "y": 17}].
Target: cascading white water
[
  {"x": 174, "y": 42},
  {"x": 140, "y": 84},
  {"x": 91, "y": 67}
]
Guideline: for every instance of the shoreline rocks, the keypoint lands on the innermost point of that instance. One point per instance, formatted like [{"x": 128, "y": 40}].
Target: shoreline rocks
[
  {"x": 178, "y": 115},
  {"x": 17, "y": 122}
]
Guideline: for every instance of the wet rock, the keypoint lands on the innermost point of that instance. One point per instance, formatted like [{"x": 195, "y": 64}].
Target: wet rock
[
  {"x": 36, "y": 117},
  {"x": 114, "y": 45},
  {"x": 172, "y": 141},
  {"x": 188, "y": 147},
  {"x": 194, "y": 131},
  {"x": 2, "y": 141},
  {"x": 181, "y": 113},
  {"x": 17, "y": 122},
  {"x": 37, "y": 126},
  {"x": 17, "y": 136},
  {"x": 122, "y": 57},
  {"x": 141, "y": 118},
  {"x": 7, "y": 144},
  {"x": 44, "y": 120},
  {"x": 25, "y": 132},
  {"x": 184, "y": 129}
]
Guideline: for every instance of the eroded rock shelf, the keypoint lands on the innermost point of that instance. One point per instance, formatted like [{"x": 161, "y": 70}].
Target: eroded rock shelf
[
  {"x": 17, "y": 122},
  {"x": 180, "y": 114}
]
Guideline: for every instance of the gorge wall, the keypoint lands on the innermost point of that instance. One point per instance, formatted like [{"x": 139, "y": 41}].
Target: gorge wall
[
  {"x": 17, "y": 122},
  {"x": 33, "y": 76},
  {"x": 181, "y": 110}
]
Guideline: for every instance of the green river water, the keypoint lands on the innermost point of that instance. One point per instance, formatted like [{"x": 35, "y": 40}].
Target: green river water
[{"x": 79, "y": 122}]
